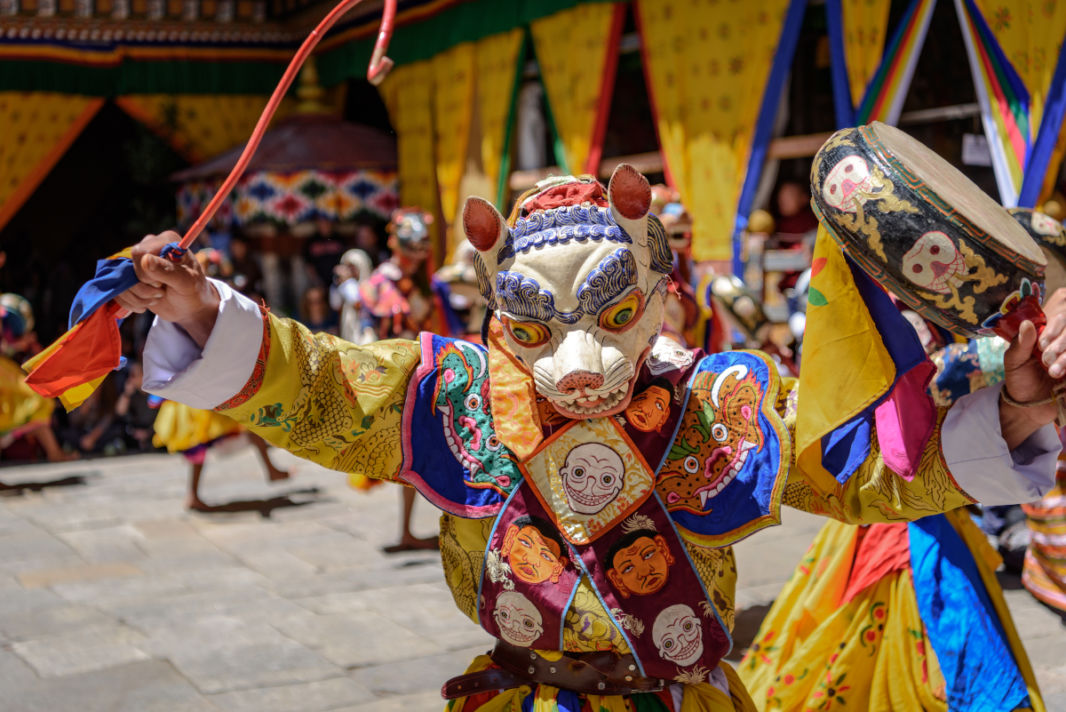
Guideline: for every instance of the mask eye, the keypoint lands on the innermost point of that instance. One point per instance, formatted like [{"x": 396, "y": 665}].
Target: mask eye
[
  {"x": 473, "y": 402},
  {"x": 719, "y": 432},
  {"x": 528, "y": 333},
  {"x": 620, "y": 315}
]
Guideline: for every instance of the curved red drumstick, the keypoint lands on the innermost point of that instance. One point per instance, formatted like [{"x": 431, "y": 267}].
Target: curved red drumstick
[{"x": 379, "y": 67}]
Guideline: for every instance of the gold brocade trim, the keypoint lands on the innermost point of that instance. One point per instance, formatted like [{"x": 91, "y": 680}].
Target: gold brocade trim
[{"x": 514, "y": 399}]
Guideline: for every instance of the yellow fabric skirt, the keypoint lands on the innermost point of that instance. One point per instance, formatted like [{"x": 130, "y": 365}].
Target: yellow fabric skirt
[
  {"x": 816, "y": 652},
  {"x": 20, "y": 407},
  {"x": 545, "y": 698},
  {"x": 180, "y": 428}
]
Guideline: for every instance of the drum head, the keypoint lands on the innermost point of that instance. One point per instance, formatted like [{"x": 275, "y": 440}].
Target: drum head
[
  {"x": 958, "y": 191},
  {"x": 923, "y": 230}
]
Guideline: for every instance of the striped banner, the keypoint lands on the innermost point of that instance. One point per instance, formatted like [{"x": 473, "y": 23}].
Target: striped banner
[
  {"x": 1004, "y": 102},
  {"x": 884, "y": 96},
  {"x": 1045, "y": 158}
]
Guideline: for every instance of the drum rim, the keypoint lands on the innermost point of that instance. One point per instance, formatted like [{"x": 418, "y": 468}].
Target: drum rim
[{"x": 964, "y": 223}]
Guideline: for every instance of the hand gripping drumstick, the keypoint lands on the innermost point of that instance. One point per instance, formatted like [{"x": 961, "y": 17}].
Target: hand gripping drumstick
[
  {"x": 1029, "y": 309},
  {"x": 377, "y": 70}
]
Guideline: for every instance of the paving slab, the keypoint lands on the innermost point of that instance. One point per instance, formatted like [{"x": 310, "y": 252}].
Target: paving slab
[
  {"x": 94, "y": 648},
  {"x": 334, "y": 693},
  {"x": 296, "y": 610}
]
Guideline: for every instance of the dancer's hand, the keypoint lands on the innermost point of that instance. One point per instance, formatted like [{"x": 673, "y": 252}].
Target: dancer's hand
[
  {"x": 176, "y": 291},
  {"x": 1033, "y": 368}
]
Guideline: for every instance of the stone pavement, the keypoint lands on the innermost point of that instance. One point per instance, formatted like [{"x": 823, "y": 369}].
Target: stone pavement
[{"x": 113, "y": 597}]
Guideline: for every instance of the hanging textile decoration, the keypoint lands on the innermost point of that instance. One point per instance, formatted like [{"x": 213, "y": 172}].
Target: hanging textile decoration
[
  {"x": 1004, "y": 100},
  {"x": 764, "y": 126},
  {"x": 198, "y": 126},
  {"x": 870, "y": 80},
  {"x": 1045, "y": 159},
  {"x": 707, "y": 72},
  {"x": 577, "y": 51},
  {"x": 882, "y": 99},
  {"x": 865, "y": 27},
  {"x": 497, "y": 58},
  {"x": 76, "y": 363},
  {"x": 1031, "y": 34},
  {"x": 453, "y": 114},
  {"x": 408, "y": 95},
  {"x": 287, "y": 199},
  {"x": 37, "y": 129}
]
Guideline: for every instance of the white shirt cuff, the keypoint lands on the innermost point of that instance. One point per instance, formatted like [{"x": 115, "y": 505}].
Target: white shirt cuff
[
  {"x": 176, "y": 369},
  {"x": 978, "y": 458}
]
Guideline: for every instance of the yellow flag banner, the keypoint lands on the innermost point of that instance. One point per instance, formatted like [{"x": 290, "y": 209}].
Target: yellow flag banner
[
  {"x": 198, "y": 126},
  {"x": 497, "y": 74},
  {"x": 845, "y": 367},
  {"x": 453, "y": 113},
  {"x": 408, "y": 95},
  {"x": 37, "y": 129},
  {"x": 1030, "y": 33},
  {"x": 707, "y": 66},
  {"x": 577, "y": 50},
  {"x": 865, "y": 26}
]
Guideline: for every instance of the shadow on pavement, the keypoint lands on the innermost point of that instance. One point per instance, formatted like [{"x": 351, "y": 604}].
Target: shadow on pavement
[
  {"x": 21, "y": 488},
  {"x": 265, "y": 507}
]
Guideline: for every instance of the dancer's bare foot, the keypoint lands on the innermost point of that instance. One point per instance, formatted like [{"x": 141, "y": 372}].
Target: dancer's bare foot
[
  {"x": 195, "y": 504},
  {"x": 413, "y": 543}
]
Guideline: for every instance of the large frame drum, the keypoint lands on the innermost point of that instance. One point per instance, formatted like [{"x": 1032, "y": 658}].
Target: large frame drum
[{"x": 924, "y": 231}]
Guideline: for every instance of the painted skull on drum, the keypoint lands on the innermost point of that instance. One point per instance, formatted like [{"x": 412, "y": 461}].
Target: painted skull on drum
[
  {"x": 678, "y": 634},
  {"x": 1045, "y": 224},
  {"x": 593, "y": 475},
  {"x": 934, "y": 263},
  {"x": 848, "y": 184},
  {"x": 578, "y": 282},
  {"x": 519, "y": 621}
]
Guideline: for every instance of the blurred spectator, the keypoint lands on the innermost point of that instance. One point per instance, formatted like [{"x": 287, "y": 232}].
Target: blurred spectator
[
  {"x": 323, "y": 251},
  {"x": 458, "y": 285},
  {"x": 315, "y": 312},
  {"x": 25, "y": 416},
  {"x": 344, "y": 297},
  {"x": 247, "y": 275},
  {"x": 133, "y": 412},
  {"x": 398, "y": 295}
]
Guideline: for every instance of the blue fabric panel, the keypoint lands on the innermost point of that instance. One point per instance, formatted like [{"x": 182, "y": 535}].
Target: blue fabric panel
[
  {"x": 847, "y": 447},
  {"x": 749, "y": 496},
  {"x": 465, "y": 487},
  {"x": 844, "y": 449},
  {"x": 838, "y": 65},
  {"x": 764, "y": 124},
  {"x": 975, "y": 657},
  {"x": 1047, "y": 137}
]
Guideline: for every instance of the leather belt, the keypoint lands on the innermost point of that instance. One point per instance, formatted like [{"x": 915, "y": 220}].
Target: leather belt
[{"x": 599, "y": 673}]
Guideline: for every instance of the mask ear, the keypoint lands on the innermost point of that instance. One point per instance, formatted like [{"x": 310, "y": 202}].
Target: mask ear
[
  {"x": 484, "y": 227},
  {"x": 630, "y": 197}
]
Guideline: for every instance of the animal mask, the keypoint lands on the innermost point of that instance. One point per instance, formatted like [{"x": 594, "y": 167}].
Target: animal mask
[{"x": 578, "y": 280}]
